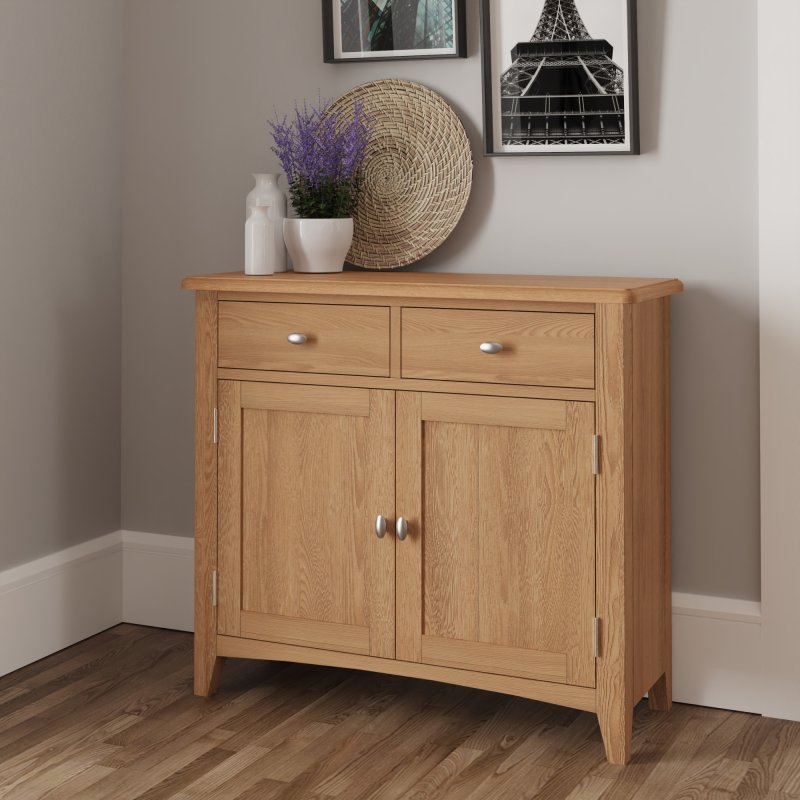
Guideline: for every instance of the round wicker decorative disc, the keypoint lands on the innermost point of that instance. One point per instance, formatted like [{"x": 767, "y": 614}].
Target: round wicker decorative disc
[{"x": 416, "y": 177}]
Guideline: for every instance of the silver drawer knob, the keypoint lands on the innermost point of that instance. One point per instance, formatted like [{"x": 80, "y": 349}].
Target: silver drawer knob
[
  {"x": 297, "y": 338},
  {"x": 491, "y": 348},
  {"x": 380, "y": 526},
  {"x": 401, "y": 528}
]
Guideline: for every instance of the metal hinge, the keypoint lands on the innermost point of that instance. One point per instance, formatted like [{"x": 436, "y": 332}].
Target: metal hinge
[
  {"x": 596, "y": 636},
  {"x": 595, "y": 455},
  {"x": 214, "y": 589},
  {"x": 216, "y": 427}
]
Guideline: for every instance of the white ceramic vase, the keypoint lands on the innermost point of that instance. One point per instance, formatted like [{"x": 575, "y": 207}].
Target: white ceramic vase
[
  {"x": 266, "y": 193},
  {"x": 259, "y": 242},
  {"x": 318, "y": 245}
]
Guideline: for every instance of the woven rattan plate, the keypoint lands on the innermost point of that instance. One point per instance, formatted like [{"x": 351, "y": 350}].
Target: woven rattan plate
[{"x": 416, "y": 177}]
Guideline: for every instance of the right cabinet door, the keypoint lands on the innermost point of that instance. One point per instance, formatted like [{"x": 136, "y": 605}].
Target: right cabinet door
[{"x": 497, "y": 573}]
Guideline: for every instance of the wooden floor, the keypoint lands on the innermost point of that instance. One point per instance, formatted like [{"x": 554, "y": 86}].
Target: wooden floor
[{"x": 114, "y": 717}]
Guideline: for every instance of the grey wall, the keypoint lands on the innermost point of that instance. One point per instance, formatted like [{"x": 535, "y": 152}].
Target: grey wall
[
  {"x": 60, "y": 219},
  {"x": 202, "y": 77}
]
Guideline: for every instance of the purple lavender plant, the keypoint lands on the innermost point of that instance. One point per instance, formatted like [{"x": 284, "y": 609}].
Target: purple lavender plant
[{"x": 321, "y": 152}]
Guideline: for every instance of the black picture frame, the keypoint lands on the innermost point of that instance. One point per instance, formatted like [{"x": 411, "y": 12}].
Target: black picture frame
[
  {"x": 329, "y": 44},
  {"x": 491, "y": 83}
]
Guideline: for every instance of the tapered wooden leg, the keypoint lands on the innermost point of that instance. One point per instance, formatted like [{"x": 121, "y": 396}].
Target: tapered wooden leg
[
  {"x": 660, "y": 695},
  {"x": 207, "y": 673},
  {"x": 616, "y": 727}
]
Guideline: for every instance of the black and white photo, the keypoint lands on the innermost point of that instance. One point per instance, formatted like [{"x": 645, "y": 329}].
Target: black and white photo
[
  {"x": 358, "y": 30},
  {"x": 559, "y": 77}
]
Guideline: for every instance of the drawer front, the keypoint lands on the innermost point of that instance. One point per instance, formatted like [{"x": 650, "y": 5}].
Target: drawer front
[
  {"x": 538, "y": 349},
  {"x": 339, "y": 340}
]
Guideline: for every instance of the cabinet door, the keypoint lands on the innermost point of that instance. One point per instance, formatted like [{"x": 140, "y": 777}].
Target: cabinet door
[
  {"x": 303, "y": 473},
  {"x": 498, "y": 571}
]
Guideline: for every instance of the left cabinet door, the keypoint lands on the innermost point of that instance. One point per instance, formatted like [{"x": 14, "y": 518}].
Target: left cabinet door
[{"x": 304, "y": 472}]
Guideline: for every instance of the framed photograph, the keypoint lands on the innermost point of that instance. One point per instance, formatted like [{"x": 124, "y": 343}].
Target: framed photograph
[
  {"x": 559, "y": 77},
  {"x": 367, "y": 30}
]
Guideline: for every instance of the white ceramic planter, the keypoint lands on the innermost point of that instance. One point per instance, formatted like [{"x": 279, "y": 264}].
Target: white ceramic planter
[{"x": 318, "y": 245}]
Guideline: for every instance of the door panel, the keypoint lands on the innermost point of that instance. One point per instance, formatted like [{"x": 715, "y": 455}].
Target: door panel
[
  {"x": 497, "y": 574},
  {"x": 307, "y": 470}
]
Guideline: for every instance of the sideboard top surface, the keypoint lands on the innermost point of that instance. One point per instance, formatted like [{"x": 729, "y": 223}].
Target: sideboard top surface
[{"x": 438, "y": 285}]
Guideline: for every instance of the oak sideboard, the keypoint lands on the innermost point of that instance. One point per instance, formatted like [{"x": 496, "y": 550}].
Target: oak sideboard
[{"x": 460, "y": 478}]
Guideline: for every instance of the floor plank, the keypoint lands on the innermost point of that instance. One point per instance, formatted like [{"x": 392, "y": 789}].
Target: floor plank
[{"x": 113, "y": 718}]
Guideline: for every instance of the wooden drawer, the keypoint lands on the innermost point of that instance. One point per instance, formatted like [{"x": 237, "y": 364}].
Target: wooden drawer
[
  {"x": 538, "y": 349},
  {"x": 341, "y": 340}
]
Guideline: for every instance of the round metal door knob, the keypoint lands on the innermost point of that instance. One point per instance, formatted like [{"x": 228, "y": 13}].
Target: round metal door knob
[
  {"x": 297, "y": 338},
  {"x": 380, "y": 526}
]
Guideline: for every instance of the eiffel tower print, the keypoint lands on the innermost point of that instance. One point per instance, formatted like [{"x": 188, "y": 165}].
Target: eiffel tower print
[{"x": 563, "y": 87}]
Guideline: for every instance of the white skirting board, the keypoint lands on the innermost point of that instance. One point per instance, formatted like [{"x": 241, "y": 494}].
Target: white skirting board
[
  {"x": 158, "y": 580},
  {"x": 147, "y": 579},
  {"x": 716, "y": 652},
  {"x": 55, "y": 601}
]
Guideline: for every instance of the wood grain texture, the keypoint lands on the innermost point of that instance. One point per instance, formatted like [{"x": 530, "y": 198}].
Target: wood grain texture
[
  {"x": 408, "y": 570},
  {"x": 651, "y": 621},
  {"x": 506, "y": 411},
  {"x": 303, "y": 540},
  {"x": 497, "y": 659},
  {"x": 457, "y": 286},
  {"x": 415, "y": 302},
  {"x": 396, "y": 341},
  {"x": 660, "y": 694},
  {"x": 229, "y": 547},
  {"x": 381, "y": 553},
  {"x": 536, "y": 539},
  {"x": 113, "y": 718},
  {"x": 538, "y": 348},
  {"x": 577, "y": 697},
  {"x": 207, "y": 665},
  {"x": 409, "y": 385},
  {"x": 615, "y": 699},
  {"x": 312, "y": 483},
  {"x": 345, "y": 637},
  {"x": 450, "y": 556},
  {"x": 306, "y": 399},
  {"x": 505, "y": 546},
  {"x": 351, "y": 340}
]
